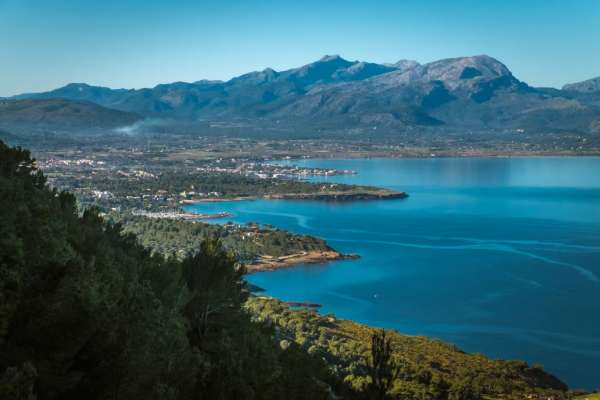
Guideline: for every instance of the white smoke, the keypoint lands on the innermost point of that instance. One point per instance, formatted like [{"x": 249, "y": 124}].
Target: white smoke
[{"x": 148, "y": 125}]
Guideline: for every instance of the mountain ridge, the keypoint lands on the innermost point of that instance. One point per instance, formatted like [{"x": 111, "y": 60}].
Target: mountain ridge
[{"x": 474, "y": 92}]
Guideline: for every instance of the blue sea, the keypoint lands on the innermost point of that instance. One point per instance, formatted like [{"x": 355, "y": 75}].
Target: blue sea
[{"x": 499, "y": 256}]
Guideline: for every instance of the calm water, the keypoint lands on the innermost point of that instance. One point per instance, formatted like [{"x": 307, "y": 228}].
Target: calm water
[{"x": 498, "y": 255}]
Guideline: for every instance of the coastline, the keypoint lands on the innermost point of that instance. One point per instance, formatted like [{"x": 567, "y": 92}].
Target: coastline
[
  {"x": 270, "y": 263},
  {"x": 185, "y": 216},
  {"x": 302, "y": 322},
  {"x": 439, "y": 154},
  {"x": 218, "y": 199},
  {"x": 380, "y": 194}
]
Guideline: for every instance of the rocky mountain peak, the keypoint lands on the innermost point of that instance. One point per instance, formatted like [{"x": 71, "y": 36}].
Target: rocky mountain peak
[
  {"x": 454, "y": 70},
  {"x": 405, "y": 64},
  {"x": 331, "y": 58}
]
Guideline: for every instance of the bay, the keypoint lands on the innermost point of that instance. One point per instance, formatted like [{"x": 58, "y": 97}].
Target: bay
[{"x": 499, "y": 256}]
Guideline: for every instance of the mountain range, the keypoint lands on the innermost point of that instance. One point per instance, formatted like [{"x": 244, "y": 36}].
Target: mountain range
[{"x": 476, "y": 93}]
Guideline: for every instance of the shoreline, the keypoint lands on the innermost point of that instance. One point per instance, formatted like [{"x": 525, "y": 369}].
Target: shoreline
[
  {"x": 414, "y": 347},
  {"x": 270, "y": 263},
  {"x": 383, "y": 155},
  {"x": 218, "y": 199},
  {"x": 185, "y": 216},
  {"x": 381, "y": 194},
  {"x": 341, "y": 196}
]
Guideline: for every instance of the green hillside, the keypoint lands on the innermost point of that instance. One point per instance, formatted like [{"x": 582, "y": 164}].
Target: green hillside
[
  {"x": 429, "y": 369},
  {"x": 87, "y": 313}
]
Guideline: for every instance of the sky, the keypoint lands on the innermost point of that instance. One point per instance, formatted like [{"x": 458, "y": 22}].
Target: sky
[{"x": 45, "y": 44}]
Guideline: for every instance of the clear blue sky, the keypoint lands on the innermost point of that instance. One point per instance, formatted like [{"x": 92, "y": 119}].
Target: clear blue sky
[{"x": 45, "y": 44}]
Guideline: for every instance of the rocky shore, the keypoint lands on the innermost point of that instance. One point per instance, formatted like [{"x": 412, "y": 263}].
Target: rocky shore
[{"x": 269, "y": 263}]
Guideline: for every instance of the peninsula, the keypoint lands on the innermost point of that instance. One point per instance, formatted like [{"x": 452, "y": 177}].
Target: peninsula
[
  {"x": 346, "y": 194},
  {"x": 259, "y": 248},
  {"x": 269, "y": 263}
]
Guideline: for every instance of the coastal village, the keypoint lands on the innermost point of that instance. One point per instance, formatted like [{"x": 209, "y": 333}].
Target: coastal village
[{"x": 91, "y": 179}]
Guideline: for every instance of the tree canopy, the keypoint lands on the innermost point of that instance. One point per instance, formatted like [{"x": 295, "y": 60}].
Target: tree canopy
[{"x": 88, "y": 313}]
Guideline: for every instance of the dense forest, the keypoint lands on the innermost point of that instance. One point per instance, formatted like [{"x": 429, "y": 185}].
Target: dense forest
[{"x": 87, "y": 312}]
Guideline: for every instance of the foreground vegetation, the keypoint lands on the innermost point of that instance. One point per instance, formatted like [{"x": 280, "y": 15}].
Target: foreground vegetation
[
  {"x": 428, "y": 369},
  {"x": 87, "y": 312}
]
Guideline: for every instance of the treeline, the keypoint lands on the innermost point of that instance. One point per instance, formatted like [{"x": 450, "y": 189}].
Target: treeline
[
  {"x": 176, "y": 238},
  {"x": 88, "y": 313}
]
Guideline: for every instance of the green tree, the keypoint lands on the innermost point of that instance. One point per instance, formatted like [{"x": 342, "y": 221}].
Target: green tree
[
  {"x": 382, "y": 368},
  {"x": 217, "y": 290}
]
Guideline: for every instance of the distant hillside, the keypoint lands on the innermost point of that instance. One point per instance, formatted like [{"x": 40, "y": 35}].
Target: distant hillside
[
  {"x": 25, "y": 116},
  {"x": 7, "y": 136},
  {"x": 588, "y": 86},
  {"x": 466, "y": 93},
  {"x": 587, "y": 92}
]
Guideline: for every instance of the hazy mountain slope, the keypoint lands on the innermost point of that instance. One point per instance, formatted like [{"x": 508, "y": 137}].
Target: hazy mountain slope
[
  {"x": 587, "y": 86},
  {"x": 587, "y": 92},
  {"x": 247, "y": 95},
  {"x": 21, "y": 116},
  {"x": 8, "y": 137}
]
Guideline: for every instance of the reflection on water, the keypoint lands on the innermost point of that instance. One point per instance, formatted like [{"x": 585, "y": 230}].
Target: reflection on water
[
  {"x": 498, "y": 255},
  {"x": 572, "y": 172}
]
